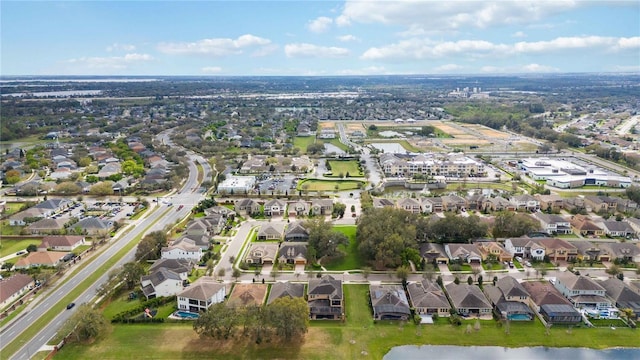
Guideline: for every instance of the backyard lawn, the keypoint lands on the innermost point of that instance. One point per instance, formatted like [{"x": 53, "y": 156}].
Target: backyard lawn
[
  {"x": 357, "y": 337},
  {"x": 11, "y": 246},
  {"x": 345, "y": 167},
  {"x": 301, "y": 142},
  {"x": 329, "y": 185},
  {"x": 351, "y": 260}
]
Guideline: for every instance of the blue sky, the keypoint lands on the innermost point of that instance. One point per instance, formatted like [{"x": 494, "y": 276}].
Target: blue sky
[{"x": 318, "y": 37}]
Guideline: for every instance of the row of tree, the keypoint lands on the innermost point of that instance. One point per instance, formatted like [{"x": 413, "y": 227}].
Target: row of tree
[
  {"x": 390, "y": 237},
  {"x": 286, "y": 318}
]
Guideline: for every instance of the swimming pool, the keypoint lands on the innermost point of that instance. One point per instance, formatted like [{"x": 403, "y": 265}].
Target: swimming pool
[
  {"x": 519, "y": 317},
  {"x": 186, "y": 315}
]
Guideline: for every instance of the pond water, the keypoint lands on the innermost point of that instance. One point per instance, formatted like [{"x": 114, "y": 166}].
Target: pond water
[{"x": 410, "y": 352}]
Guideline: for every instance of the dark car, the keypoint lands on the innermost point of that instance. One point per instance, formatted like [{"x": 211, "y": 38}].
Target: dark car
[
  {"x": 21, "y": 253},
  {"x": 70, "y": 305}
]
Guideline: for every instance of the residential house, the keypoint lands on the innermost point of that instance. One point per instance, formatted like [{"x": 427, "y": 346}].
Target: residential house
[
  {"x": 262, "y": 253},
  {"x": 247, "y": 207},
  {"x": 544, "y": 293},
  {"x": 525, "y": 202},
  {"x": 635, "y": 225},
  {"x": 434, "y": 253},
  {"x": 325, "y": 298},
  {"x": 617, "y": 228},
  {"x": 525, "y": 247},
  {"x": 201, "y": 241},
  {"x": 453, "y": 203},
  {"x": 298, "y": 208},
  {"x": 293, "y": 253},
  {"x": 558, "y": 249},
  {"x": 624, "y": 252},
  {"x": 410, "y": 205},
  {"x": 93, "y": 226},
  {"x": 389, "y": 302},
  {"x": 200, "y": 295},
  {"x": 283, "y": 289},
  {"x": 432, "y": 205},
  {"x": 468, "y": 253},
  {"x": 550, "y": 202},
  {"x": 182, "y": 267},
  {"x": 497, "y": 203},
  {"x": 599, "y": 204},
  {"x": 296, "y": 231},
  {"x": 560, "y": 314},
  {"x": 47, "y": 226},
  {"x": 510, "y": 299},
  {"x": 40, "y": 258},
  {"x": 588, "y": 251},
  {"x": 271, "y": 231},
  {"x": 221, "y": 210},
  {"x": 584, "y": 226},
  {"x": 274, "y": 207},
  {"x": 574, "y": 204},
  {"x": 475, "y": 201},
  {"x": 626, "y": 205},
  {"x": 553, "y": 224},
  {"x": 185, "y": 249},
  {"x": 162, "y": 282},
  {"x": 428, "y": 298},
  {"x": 583, "y": 292},
  {"x": 493, "y": 248},
  {"x": 51, "y": 206},
  {"x": 13, "y": 287},
  {"x": 247, "y": 295},
  {"x": 63, "y": 243},
  {"x": 622, "y": 295},
  {"x": 379, "y": 203},
  {"x": 468, "y": 300},
  {"x": 321, "y": 207}
]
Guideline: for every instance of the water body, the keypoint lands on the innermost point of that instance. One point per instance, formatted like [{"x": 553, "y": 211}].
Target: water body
[{"x": 411, "y": 352}]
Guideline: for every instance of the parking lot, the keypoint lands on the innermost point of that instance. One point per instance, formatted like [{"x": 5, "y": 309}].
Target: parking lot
[{"x": 275, "y": 184}]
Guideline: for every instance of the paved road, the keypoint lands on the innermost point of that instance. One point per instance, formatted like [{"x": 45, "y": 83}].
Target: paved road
[{"x": 188, "y": 196}]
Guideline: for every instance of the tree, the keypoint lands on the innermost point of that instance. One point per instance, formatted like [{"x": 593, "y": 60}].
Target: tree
[
  {"x": 236, "y": 273},
  {"x": 150, "y": 247},
  {"x": 402, "y": 272},
  {"x": 289, "y": 317},
  {"x": 613, "y": 270},
  {"x": 366, "y": 271},
  {"x": 338, "y": 210},
  {"x": 12, "y": 176},
  {"x": 102, "y": 188},
  {"x": 511, "y": 224},
  {"x": 32, "y": 248},
  {"x": 323, "y": 240},
  {"x": 131, "y": 273},
  {"x": 456, "y": 281},
  {"x": 218, "y": 322},
  {"x": 85, "y": 324},
  {"x": 67, "y": 188},
  {"x": 470, "y": 280},
  {"x": 221, "y": 272}
]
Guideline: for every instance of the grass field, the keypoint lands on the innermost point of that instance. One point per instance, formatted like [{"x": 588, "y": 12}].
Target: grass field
[
  {"x": 6, "y": 229},
  {"x": 12, "y": 207},
  {"x": 328, "y": 185},
  {"x": 351, "y": 260},
  {"x": 336, "y": 340},
  {"x": 301, "y": 142},
  {"x": 345, "y": 167},
  {"x": 11, "y": 246}
]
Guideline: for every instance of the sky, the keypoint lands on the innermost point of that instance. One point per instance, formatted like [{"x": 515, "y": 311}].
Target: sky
[{"x": 318, "y": 38}]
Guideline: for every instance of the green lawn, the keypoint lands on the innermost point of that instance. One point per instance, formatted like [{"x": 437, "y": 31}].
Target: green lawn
[
  {"x": 11, "y": 246},
  {"x": 336, "y": 142},
  {"x": 494, "y": 266},
  {"x": 336, "y": 339},
  {"x": 345, "y": 167},
  {"x": 11, "y": 208},
  {"x": 6, "y": 229},
  {"x": 120, "y": 304},
  {"x": 328, "y": 185},
  {"x": 301, "y": 142},
  {"x": 351, "y": 260}
]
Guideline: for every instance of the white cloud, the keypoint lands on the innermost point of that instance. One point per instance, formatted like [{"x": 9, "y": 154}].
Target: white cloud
[
  {"x": 211, "y": 69},
  {"x": 120, "y": 47},
  {"x": 264, "y": 50},
  {"x": 529, "y": 68},
  {"x": 439, "y": 15},
  {"x": 448, "y": 68},
  {"x": 112, "y": 62},
  {"x": 421, "y": 48},
  {"x": 519, "y": 34},
  {"x": 214, "y": 47},
  {"x": 370, "y": 70},
  {"x": 347, "y": 38},
  {"x": 320, "y": 24},
  {"x": 310, "y": 50}
]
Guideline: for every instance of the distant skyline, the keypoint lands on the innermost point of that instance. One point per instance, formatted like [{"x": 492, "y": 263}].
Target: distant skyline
[{"x": 318, "y": 37}]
